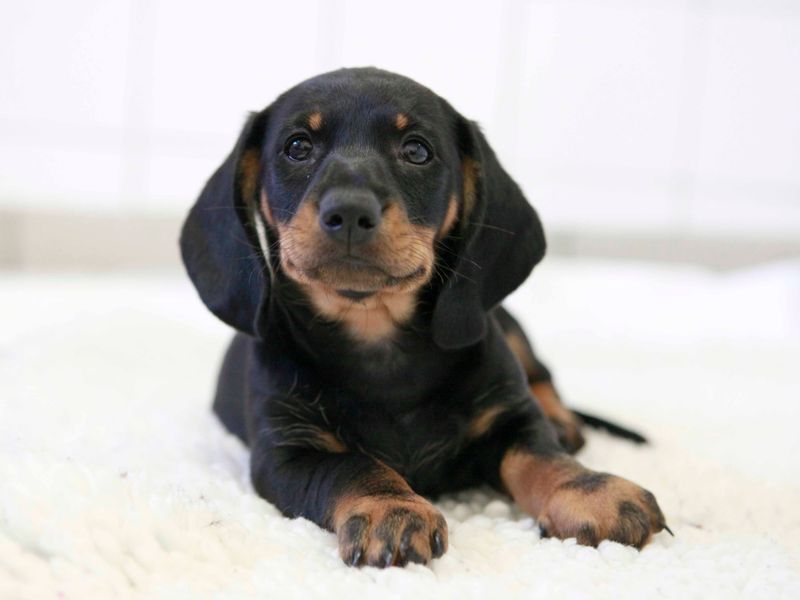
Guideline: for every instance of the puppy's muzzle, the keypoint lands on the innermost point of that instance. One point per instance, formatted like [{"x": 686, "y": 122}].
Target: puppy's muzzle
[{"x": 350, "y": 217}]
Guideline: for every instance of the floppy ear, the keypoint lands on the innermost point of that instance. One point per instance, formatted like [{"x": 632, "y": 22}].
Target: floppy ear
[
  {"x": 219, "y": 242},
  {"x": 502, "y": 240}
]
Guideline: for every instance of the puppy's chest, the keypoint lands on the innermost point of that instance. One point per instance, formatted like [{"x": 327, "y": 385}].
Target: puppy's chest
[
  {"x": 419, "y": 443},
  {"x": 403, "y": 408}
]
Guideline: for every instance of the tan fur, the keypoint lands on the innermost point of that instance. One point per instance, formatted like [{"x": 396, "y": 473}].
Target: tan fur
[
  {"x": 552, "y": 407},
  {"x": 400, "y": 248},
  {"x": 549, "y": 401},
  {"x": 329, "y": 442},
  {"x": 482, "y": 423},
  {"x": 306, "y": 435},
  {"x": 401, "y": 121},
  {"x": 383, "y": 477},
  {"x": 249, "y": 166},
  {"x": 369, "y": 320},
  {"x": 315, "y": 121},
  {"x": 449, "y": 218},
  {"x": 545, "y": 393},
  {"x": 550, "y": 489},
  {"x": 297, "y": 235},
  {"x": 469, "y": 170},
  {"x": 530, "y": 479},
  {"x": 520, "y": 350},
  {"x": 357, "y": 501},
  {"x": 595, "y": 516},
  {"x": 390, "y": 514}
]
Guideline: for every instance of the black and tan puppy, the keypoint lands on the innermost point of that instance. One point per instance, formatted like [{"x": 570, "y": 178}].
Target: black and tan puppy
[{"x": 360, "y": 238}]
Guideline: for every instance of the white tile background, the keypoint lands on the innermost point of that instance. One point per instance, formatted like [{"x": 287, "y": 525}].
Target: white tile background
[{"x": 677, "y": 116}]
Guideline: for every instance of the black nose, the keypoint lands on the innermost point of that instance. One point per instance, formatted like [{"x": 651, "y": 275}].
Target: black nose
[{"x": 350, "y": 217}]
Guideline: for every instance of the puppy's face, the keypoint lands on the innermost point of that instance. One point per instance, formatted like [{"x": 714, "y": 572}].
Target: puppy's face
[
  {"x": 361, "y": 177},
  {"x": 369, "y": 183}
]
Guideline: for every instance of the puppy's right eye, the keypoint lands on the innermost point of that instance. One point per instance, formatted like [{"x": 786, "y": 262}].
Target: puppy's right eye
[
  {"x": 298, "y": 147},
  {"x": 416, "y": 152}
]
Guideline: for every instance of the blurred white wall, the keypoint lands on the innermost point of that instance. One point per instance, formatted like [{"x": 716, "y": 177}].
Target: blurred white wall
[{"x": 646, "y": 115}]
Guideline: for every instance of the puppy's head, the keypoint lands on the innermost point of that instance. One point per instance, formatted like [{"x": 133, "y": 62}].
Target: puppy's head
[
  {"x": 358, "y": 183},
  {"x": 371, "y": 187}
]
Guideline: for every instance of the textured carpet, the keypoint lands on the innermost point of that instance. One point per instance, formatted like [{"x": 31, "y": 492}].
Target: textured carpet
[{"x": 116, "y": 482}]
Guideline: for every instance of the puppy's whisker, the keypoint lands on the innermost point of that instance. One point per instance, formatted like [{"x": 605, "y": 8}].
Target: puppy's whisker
[{"x": 492, "y": 227}]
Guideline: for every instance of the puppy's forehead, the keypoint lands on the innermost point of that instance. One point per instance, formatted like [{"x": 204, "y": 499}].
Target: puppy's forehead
[{"x": 363, "y": 94}]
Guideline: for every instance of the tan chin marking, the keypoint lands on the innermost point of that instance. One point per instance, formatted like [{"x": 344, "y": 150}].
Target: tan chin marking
[
  {"x": 400, "y": 247},
  {"x": 371, "y": 320},
  {"x": 315, "y": 121}
]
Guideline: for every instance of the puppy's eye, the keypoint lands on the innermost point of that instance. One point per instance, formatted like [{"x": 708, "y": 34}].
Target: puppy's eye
[
  {"x": 298, "y": 147},
  {"x": 416, "y": 152}
]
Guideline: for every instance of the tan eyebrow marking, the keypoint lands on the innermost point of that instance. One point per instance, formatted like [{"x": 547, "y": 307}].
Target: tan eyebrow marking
[
  {"x": 315, "y": 121},
  {"x": 401, "y": 121}
]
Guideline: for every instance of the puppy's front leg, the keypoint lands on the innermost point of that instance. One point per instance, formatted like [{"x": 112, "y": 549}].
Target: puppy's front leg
[
  {"x": 377, "y": 517},
  {"x": 569, "y": 500}
]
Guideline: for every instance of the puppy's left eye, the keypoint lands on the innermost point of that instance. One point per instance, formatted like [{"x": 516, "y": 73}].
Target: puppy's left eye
[
  {"x": 298, "y": 147},
  {"x": 416, "y": 152}
]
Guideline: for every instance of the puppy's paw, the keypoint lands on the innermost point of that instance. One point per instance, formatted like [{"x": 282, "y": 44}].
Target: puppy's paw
[
  {"x": 593, "y": 507},
  {"x": 383, "y": 531}
]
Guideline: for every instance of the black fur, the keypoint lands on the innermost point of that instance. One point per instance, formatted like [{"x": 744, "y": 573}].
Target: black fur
[
  {"x": 218, "y": 241},
  {"x": 504, "y": 241}
]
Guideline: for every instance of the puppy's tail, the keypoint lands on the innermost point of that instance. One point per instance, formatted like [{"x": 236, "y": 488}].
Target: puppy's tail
[{"x": 612, "y": 428}]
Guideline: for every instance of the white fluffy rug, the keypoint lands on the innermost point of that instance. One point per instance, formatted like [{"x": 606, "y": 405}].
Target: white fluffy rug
[{"x": 116, "y": 482}]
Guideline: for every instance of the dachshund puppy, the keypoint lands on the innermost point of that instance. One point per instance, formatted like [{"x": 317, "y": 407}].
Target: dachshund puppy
[{"x": 360, "y": 237}]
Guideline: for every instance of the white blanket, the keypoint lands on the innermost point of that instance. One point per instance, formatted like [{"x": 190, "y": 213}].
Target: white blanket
[{"x": 117, "y": 482}]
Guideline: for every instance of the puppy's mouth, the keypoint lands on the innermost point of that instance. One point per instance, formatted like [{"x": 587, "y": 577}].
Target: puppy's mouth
[
  {"x": 354, "y": 295},
  {"x": 356, "y": 278}
]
